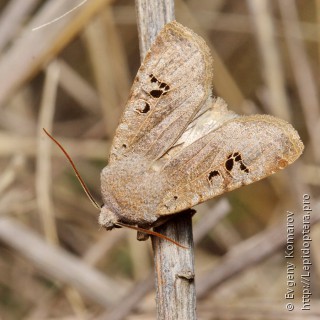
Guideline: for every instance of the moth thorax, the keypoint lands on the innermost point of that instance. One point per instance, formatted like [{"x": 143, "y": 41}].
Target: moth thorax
[{"x": 107, "y": 218}]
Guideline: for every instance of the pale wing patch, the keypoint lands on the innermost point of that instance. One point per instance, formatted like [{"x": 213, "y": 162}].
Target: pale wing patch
[
  {"x": 171, "y": 85},
  {"x": 243, "y": 150},
  {"x": 213, "y": 113}
]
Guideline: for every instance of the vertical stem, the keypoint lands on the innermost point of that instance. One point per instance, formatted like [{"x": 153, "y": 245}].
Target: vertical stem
[
  {"x": 152, "y": 15},
  {"x": 174, "y": 266},
  {"x": 174, "y": 270}
]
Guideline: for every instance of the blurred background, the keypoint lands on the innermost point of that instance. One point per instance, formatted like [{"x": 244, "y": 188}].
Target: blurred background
[{"x": 73, "y": 77}]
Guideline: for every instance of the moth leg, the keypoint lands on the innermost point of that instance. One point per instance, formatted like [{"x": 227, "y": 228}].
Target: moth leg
[{"x": 141, "y": 236}]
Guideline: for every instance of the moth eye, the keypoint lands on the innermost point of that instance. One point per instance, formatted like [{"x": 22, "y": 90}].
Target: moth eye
[
  {"x": 229, "y": 164},
  {"x": 146, "y": 108},
  {"x": 156, "y": 93},
  {"x": 213, "y": 174}
]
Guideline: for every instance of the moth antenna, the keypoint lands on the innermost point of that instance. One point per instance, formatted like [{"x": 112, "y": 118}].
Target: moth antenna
[
  {"x": 85, "y": 188},
  {"x": 153, "y": 233}
]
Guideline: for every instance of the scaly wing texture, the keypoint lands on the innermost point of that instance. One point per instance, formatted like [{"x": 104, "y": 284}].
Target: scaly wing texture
[
  {"x": 171, "y": 85},
  {"x": 240, "y": 151}
]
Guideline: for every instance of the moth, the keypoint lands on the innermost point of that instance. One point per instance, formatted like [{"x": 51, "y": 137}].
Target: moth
[{"x": 177, "y": 145}]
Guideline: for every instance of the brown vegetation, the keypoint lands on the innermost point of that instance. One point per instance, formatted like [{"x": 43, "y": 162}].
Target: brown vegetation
[{"x": 73, "y": 78}]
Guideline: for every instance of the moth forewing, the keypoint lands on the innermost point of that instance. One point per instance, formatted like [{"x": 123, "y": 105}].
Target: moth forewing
[{"x": 171, "y": 85}]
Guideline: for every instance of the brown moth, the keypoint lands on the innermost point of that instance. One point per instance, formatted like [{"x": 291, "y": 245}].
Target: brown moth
[{"x": 177, "y": 146}]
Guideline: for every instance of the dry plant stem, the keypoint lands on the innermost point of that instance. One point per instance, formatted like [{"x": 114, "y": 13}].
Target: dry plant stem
[
  {"x": 85, "y": 148},
  {"x": 59, "y": 264},
  {"x": 174, "y": 266},
  {"x": 27, "y": 57},
  {"x": 151, "y": 17},
  {"x": 142, "y": 288},
  {"x": 12, "y": 17},
  {"x": 43, "y": 177},
  {"x": 103, "y": 53},
  {"x": 272, "y": 68},
  {"x": 226, "y": 22},
  {"x": 250, "y": 252},
  {"x": 306, "y": 85},
  {"x": 78, "y": 88},
  {"x": 223, "y": 82},
  {"x": 130, "y": 301}
]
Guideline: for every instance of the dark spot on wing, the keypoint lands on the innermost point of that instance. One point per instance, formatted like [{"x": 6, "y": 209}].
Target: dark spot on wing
[
  {"x": 156, "y": 93},
  {"x": 213, "y": 174},
  {"x": 235, "y": 157},
  {"x": 163, "y": 87},
  {"x": 153, "y": 78},
  {"x": 229, "y": 164},
  {"x": 145, "y": 109},
  {"x": 242, "y": 166}
]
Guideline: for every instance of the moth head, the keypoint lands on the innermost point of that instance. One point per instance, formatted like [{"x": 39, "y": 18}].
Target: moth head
[{"x": 107, "y": 218}]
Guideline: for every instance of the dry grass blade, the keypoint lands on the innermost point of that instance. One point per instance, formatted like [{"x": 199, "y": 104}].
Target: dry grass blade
[
  {"x": 306, "y": 85},
  {"x": 27, "y": 57},
  {"x": 247, "y": 254},
  {"x": 271, "y": 63},
  {"x": 59, "y": 264},
  {"x": 43, "y": 174},
  {"x": 78, "y": 88},
  {"x": 104, "y": 53},
  {"x": 224, "y": 84},
  {"x": 84, "y": 148},
  {"x": 12, "y": 17}
]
